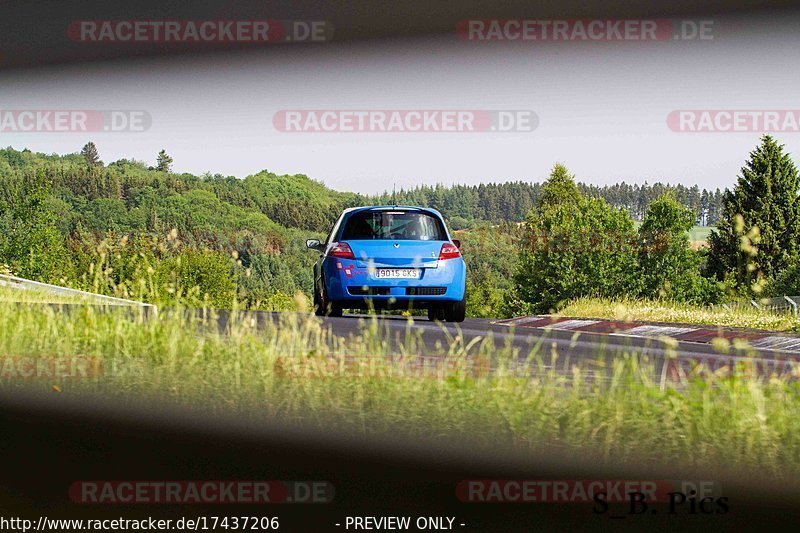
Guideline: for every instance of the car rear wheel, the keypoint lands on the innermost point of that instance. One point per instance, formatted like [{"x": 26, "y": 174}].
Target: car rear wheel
[
  {"x": 323, "y": 306},
  {"x": 456, "y": 311},
  {"x": 449, "y": 312},
  {"x": 318, "y": 309}
]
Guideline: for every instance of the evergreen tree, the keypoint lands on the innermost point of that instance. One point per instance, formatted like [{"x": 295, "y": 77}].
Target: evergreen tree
[
  {"x": 559, "y": 188},
  {"x": 90, "y": 154},
  {"x": 759, "y": 226},
  {"x": 164, "y": 162}
]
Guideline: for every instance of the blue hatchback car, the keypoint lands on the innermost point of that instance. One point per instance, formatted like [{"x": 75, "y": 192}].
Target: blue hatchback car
[{"x": 390, "y": 258}]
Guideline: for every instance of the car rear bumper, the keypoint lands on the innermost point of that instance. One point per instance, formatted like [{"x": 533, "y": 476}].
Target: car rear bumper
[{"x": 346, "y": 282}]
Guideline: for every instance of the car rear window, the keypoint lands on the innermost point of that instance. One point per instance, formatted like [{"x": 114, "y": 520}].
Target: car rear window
[{"x": 394, "y": 225}]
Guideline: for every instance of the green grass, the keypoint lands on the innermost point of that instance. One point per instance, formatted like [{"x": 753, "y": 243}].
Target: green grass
[
  {"x": 700, "y": 233},
  {"x": 665, "y": 311},
  {"x": 8, "y": 294},
  {"x": 296, "y": 370},
  {"x": 697, "y": 234}
]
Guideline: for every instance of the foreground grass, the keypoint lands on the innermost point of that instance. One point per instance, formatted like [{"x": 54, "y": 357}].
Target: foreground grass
[
  {"x": 664, "y": 311},
  {"x": 9, "y": 294},
  {"x": 295, "y": 370}
]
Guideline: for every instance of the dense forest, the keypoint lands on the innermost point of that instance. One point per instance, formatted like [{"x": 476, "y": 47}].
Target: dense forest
[
  {"x": 74, "y": 220},
  {"x": 465, "y": 205}
]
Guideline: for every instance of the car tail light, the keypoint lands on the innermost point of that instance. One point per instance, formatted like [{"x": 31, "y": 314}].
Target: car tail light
[
  {"x": 341, "y": 249},
  {"x": 449, "y": 251}
]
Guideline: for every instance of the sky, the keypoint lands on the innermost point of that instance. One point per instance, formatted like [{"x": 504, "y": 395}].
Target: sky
[{"x": 602, "y": 107}]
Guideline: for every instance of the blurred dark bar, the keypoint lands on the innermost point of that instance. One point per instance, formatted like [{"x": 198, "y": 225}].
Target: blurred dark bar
[{"x": 35, "y": 34}]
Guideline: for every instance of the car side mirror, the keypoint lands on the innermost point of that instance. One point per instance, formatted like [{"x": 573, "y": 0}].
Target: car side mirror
[
  {"x": 314, "y": 244},
  {"x": 457, "y": 242}
]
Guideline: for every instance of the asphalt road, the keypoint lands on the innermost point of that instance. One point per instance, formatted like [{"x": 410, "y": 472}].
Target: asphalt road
[{"x": 591, "y": 351}]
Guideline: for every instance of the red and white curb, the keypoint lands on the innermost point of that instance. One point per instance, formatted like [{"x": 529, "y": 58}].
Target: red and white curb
[{"x": 698, "y": 334}]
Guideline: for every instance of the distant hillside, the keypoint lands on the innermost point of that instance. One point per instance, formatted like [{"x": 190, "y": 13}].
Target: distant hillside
[
  {"x": 67, "y": 221},
  {"x": 466, "y": 205},
  {"x": 129, "y": 195},
  {"x": 56, "y": 211}
]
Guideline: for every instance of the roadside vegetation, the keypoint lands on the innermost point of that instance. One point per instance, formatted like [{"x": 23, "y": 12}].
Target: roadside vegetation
[
  {"x": 35, "y": 296},
  {"x": 576, "y": 246},
  {"x": 62, "y": 216},
  {"x": 131, "y": 230},
  {"x": 680, "y": 313},
  {"x": 296, "y": 371},
  {"x": 185, "y": 242}
]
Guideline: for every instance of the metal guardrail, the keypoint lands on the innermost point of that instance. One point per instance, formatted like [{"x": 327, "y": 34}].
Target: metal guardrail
[
  {"x": 26, "y": 284},
  {"x": 782, "y": 304}
]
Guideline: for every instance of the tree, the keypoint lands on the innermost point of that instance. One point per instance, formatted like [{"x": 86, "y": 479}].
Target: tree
[
  {"x": 30, "y": 242},
  {"x": 788, "y": 282},
  {"x": 759, "y": 227},
  {"x": 164, "y": 162},
  {"x": 559, "y": 188},
  {"x": 90, "y": 154},
  {"x": 670, "y": 268},
  {"x": 574, "y": 246}
]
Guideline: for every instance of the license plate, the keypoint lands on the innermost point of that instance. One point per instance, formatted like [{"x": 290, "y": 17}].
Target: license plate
[{"x": 397, "y": 273}]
